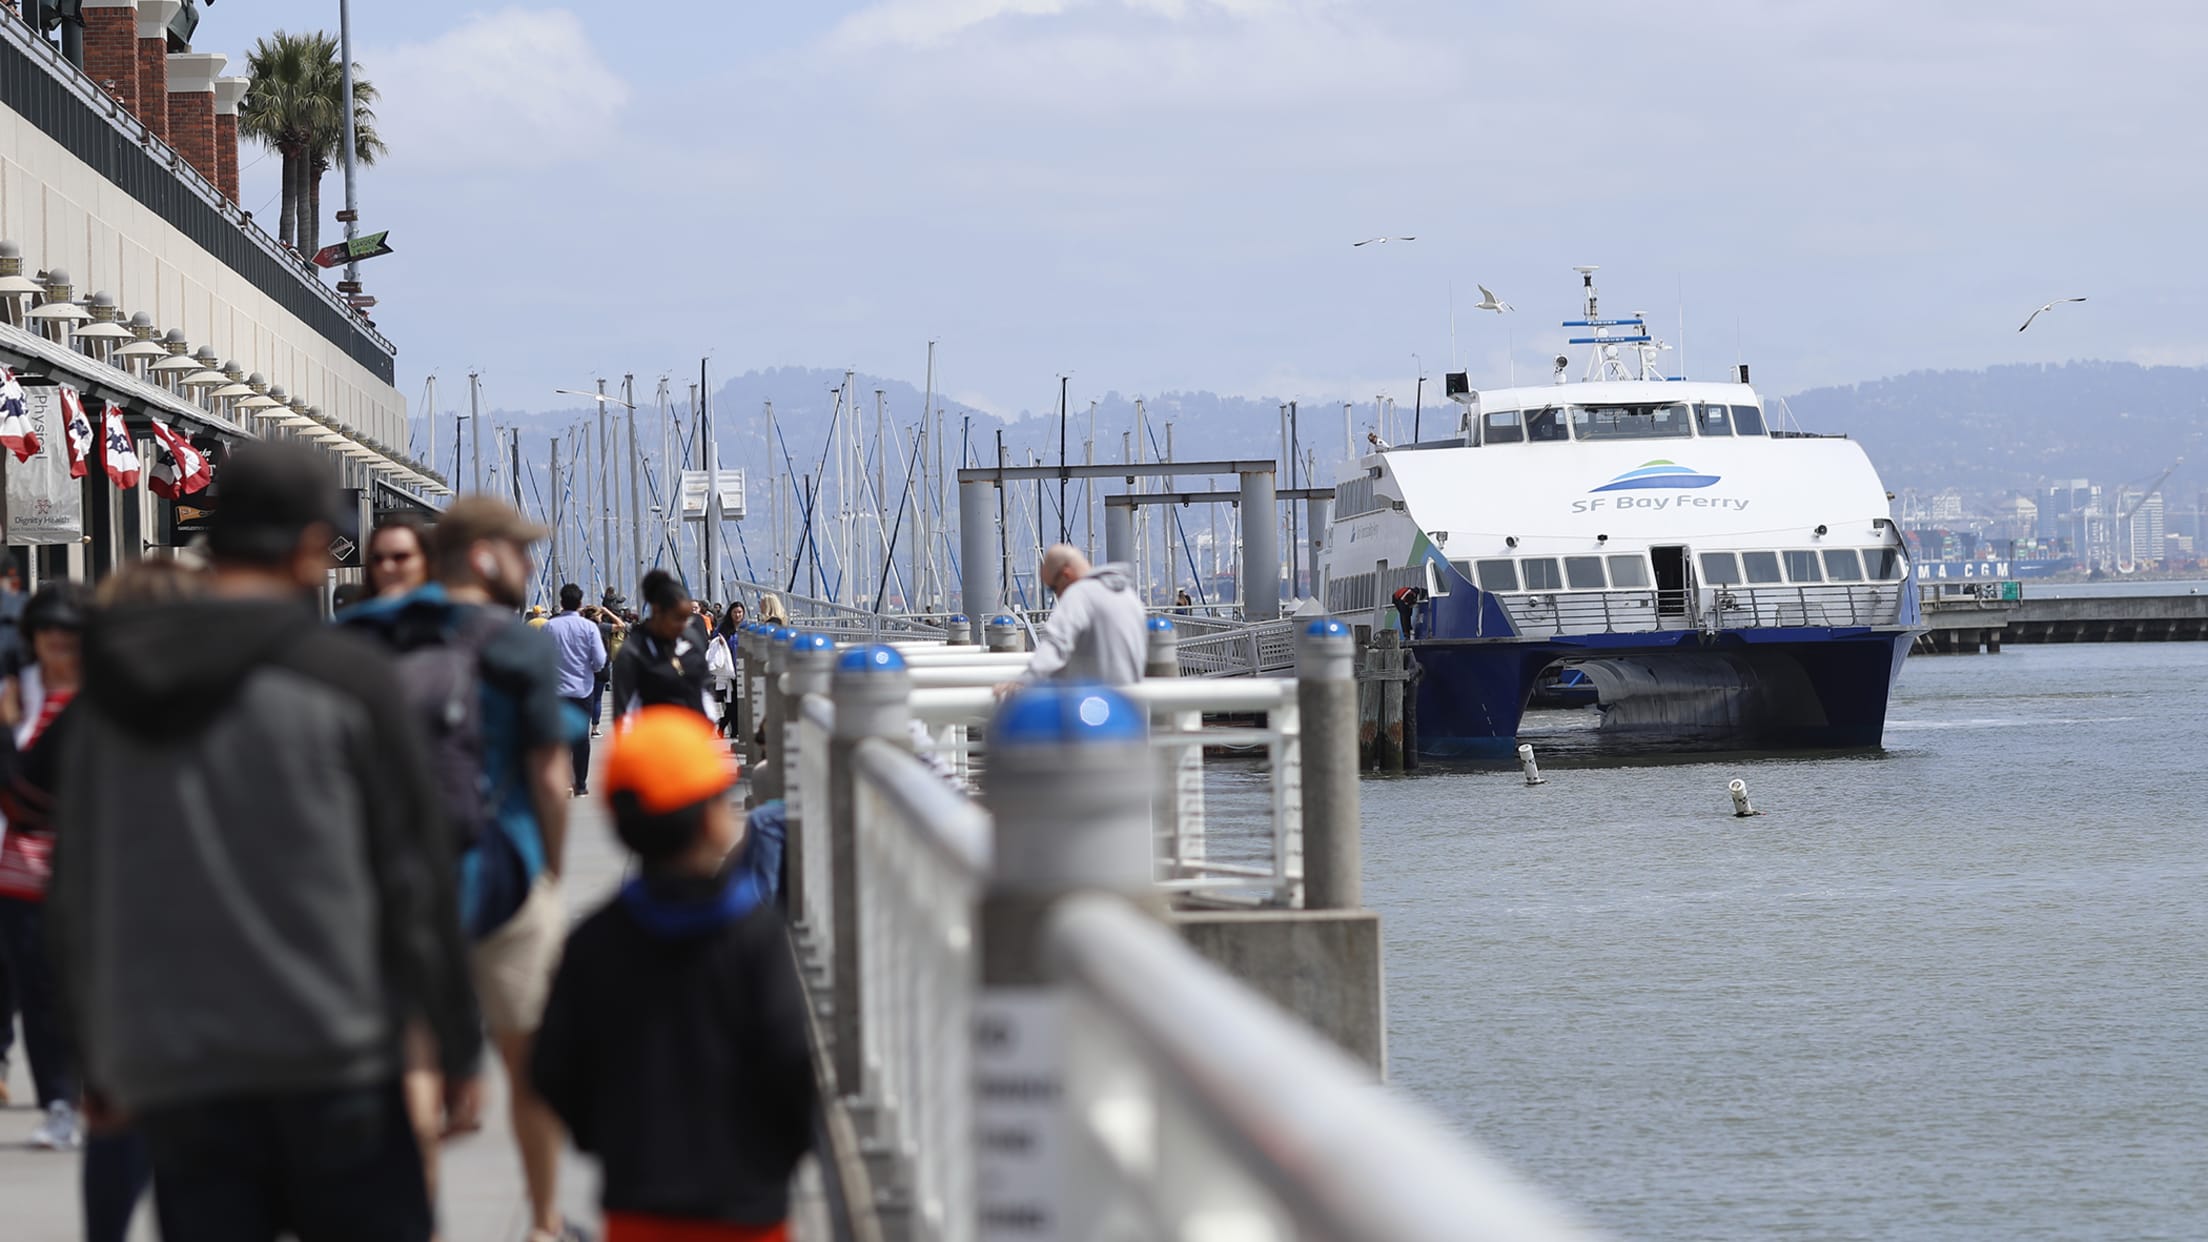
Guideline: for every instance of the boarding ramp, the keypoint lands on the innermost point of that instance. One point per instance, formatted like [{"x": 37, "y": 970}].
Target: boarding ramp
[{"x": 1013, "y": 1040}]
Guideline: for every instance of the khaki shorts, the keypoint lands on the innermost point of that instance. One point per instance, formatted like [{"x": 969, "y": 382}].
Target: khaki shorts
[{"x": 513, "y": 966}]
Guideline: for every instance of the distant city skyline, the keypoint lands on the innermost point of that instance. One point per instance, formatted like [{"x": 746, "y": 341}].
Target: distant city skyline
[{"x": 1162, "y": 194}]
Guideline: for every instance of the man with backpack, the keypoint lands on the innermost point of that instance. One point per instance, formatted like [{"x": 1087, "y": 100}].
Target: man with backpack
[{"x": 486, "y": 688}]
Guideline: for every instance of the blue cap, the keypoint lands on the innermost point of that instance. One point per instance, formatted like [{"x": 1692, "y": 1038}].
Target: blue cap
[
  {"x": 1161, "y": 625},
  {"x": 1326, "y": 627},
  {"x": 869, "y": 660},
  {"x": 783, "y": 634},
  {"x": 958, "y": 618},
  {"x": 812, "y": 642},
  {"x": 1001, "y": 619},
  {"x": 1051, "y": 714}
]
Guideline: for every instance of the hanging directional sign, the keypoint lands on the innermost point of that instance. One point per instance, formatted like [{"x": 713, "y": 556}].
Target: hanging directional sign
[{"x": 369, "y": 247}]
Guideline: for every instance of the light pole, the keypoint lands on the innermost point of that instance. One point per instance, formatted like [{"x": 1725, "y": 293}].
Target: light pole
[{"x": 352, "y": 196}]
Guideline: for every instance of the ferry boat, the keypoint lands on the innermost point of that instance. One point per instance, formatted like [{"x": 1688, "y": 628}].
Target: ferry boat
[{"x": 1717, "y": 579}]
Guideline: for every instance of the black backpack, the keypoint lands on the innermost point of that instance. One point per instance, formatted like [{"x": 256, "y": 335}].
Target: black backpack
[{"x": 442, "y": 677}]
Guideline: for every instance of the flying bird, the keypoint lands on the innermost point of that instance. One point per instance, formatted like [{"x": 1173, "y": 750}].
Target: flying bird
[
  {"x": 1382, "y": 240},
  {"x": 1488, "y": 301},
  {"x": 2044, "y": 309}
]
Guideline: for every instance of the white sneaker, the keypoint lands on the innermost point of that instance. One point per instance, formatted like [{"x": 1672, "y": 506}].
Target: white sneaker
[{"x": 60, "y": 1131}]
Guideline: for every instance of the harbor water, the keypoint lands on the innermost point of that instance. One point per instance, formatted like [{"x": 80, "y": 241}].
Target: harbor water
[{"x": 1957, "y": 989}]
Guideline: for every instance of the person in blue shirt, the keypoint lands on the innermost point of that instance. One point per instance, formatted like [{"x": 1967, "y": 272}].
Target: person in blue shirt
[{"x": 582, "y": 648}]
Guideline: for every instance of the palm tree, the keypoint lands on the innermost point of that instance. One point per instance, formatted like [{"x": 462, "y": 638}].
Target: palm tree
[
  {"x": 328, "y": 146},
  {"x": 284, "y": 108}
]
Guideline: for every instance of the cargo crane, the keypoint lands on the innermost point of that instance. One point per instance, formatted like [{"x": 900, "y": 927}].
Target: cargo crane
[{"x": 2124, "y": 563}]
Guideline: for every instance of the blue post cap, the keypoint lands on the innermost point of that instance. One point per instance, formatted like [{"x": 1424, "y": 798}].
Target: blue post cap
[
  {"x": 812, "y": 642},
  {"x": 1002, "y": 619},
  {"x": 958, "y": 618},
  {"x": 1326, "y": 627},
  {"x": 783, "y": 635},
  {"x": 869, "y": 660},
  {"x": 1161, "y": 625},
  {"x": 1051, "y": 714}
]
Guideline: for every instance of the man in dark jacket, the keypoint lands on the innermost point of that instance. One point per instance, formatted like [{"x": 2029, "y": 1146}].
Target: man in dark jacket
[
  {"x": 674, "y": 1045},
  {"x": 252, "y": 895}
]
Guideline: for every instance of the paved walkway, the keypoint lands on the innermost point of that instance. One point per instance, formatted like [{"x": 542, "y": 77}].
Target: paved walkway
[{"x": 481, "y": 1195}]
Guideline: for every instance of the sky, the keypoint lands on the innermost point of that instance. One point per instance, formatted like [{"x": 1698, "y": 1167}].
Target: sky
[{"x": 1160, "y": 195}]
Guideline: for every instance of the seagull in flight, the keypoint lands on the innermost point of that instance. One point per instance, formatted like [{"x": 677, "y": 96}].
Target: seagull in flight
[
  {"x": 1488, "y": 301},
  {"x": 2044, "y": 309},
  {"x": 1382, "y": 240}
]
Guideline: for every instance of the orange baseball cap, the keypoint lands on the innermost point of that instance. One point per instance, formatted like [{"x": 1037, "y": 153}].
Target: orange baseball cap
[{"x": 666, "y": 759}]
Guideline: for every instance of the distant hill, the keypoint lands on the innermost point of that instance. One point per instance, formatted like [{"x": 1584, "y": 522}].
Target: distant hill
[
  {"x": 1988, "y": 432},
  {"x": 1985, "y": 432}
]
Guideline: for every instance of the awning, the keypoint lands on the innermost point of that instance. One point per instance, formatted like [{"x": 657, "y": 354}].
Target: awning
[{"x": 28, "y": 352}]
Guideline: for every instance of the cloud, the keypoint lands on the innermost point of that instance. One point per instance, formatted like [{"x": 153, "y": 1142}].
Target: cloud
[
  {"x": 518, "y": 88},
  {"x": 927, "y": 23}
]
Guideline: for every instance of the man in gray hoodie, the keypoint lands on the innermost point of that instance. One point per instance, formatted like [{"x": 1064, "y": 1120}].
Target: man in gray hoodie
[
  {"x": 253, "y": 893},
  {"x": 1095, "y": 631}
]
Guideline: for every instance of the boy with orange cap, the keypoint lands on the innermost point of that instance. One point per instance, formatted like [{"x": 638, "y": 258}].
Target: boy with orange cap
[{"x": 674, "y": 1043}]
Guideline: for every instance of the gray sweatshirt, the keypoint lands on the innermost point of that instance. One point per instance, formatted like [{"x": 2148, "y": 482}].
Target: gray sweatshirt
[
  {"x": 253, "y": 881},
  {"x": 1095, "y": 633}
]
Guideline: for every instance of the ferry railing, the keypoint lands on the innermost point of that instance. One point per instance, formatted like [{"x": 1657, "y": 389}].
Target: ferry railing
[
  {"x": 1240, "y": 649},
  {"x": 1710, "y": 608},
  {"x": 1022, "y": 1047}
]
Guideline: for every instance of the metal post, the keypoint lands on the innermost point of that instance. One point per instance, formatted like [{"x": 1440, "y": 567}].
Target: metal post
[
  {"x": 475, "y": 429},
  {"x": 1119, "y": 533},
  {"x": 809, "y": 659},
  {"x": 1326, "y": 712},
  {"x": 712, "y": 515},
  {"x": 982, "y": 589},
  {"x": 636, "y": 492},
  {"x": 1315, "y": 511},
  {"x": 776, "y": 646},
  {"x": 957, "y": 629},
  {"x": 872, "y": 691},
  {"x": 345, "y": 89},
  {"x": 557, "y": 515},
  {"x": 1163, "y": 657},
  {"x": 1260, "y": 547},
  {"x": 1068, "y": 788},
  {"x": 605, "y": 503},
  {"x": 1004, "y": 634}
]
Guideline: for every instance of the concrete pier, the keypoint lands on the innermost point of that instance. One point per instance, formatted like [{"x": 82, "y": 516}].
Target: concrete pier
[{"x": 1969, "y": 626}]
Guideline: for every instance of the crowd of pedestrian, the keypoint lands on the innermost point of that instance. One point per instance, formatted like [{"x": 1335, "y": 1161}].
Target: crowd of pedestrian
[{"x": 266, "y": 902}]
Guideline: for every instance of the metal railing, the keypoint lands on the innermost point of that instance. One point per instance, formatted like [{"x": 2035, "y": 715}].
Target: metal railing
[
  {"x": 1014, "y": 1049},
  {"x": 1237, "y": 648},
  {"x": 1706, "y": 608}
]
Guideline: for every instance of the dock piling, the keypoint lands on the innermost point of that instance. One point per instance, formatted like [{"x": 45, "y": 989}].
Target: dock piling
[{"x": 1326, "y": 714}]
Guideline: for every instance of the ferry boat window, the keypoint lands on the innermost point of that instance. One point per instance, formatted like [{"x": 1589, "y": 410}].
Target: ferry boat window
[
  {"x": 1542, "y": 575},
  {"x": 1546, "y": 426},
  {"x": 1747, "y": 420},
  {"x": 1630, "y": 422},
  {"x": 1763, "y": 567},
  {"x": 1802, "y": 567},
  {"x": 1712, "y": 420},
  {"x": 1501, "y": 427},
  {"x": 1498, "y": 575},
  {"x": 1628, "y": 571},
  {"x": 1584, "y": 573},
  {"x": 1881, "y": 564},
  {"x": 1842, "y": 566},
  {"x": 1720, "y": 569}
]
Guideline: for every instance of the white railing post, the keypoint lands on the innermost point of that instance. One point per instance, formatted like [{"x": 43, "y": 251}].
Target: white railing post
[
  {"x": 776, "y": 645},
  {"x": 870, "y": 688},
  {"x": 1004, "y": 634},
  {"x": 1326, "y": 715},
  {"x": 1069, "y": 787},
  {"x": 806, "y": 659}
]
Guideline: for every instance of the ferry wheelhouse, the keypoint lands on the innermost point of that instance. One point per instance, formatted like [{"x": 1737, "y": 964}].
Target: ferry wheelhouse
[{"x": 1715, "y": 577}]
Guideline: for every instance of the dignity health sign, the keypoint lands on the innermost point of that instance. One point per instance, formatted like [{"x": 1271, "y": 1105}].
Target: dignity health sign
[{"x": 45, "y": 505}]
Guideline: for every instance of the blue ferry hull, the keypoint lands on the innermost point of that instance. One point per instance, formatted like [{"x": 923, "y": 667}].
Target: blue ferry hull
[{"x": 1772, "y": 688}]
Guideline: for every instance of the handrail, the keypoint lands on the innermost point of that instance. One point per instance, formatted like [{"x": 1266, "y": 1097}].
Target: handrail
[{"x": 1348, "y": 1161}]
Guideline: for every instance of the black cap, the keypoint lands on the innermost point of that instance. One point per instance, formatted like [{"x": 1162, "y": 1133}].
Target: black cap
[{"x": 272, "y": 491}]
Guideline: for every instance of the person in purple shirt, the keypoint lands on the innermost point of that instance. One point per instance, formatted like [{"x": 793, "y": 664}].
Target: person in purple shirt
[{"x": 582, "y": 659}]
